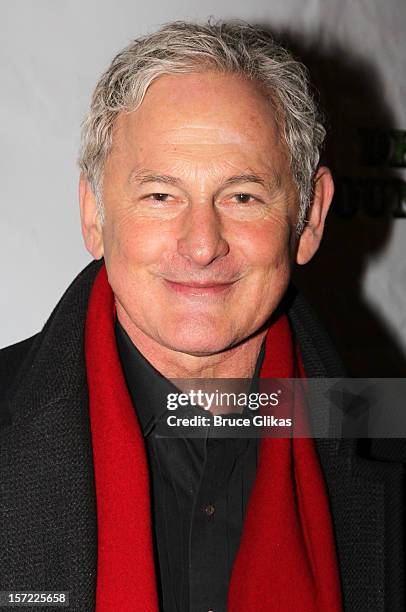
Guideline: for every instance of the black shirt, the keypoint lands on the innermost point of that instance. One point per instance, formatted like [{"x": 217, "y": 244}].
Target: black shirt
[{"x": 199, "y": 492}]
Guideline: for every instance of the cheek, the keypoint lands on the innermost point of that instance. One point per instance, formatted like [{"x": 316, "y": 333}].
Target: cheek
[
  {"x": 269, "y": 257},
  {"x": 138, "y": 243},
  {"x": 267, "y": 247}
]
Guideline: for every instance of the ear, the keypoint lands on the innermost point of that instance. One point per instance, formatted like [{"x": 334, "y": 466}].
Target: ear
[
  {"x": 312, "y": 234},
  {"x": 90, "y": 219}
]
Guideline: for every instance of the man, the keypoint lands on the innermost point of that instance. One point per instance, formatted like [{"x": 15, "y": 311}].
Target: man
[{"x": 200, "y": 189}]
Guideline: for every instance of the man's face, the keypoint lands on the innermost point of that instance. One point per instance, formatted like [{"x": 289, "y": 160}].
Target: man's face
[{"x": 200, "y": 213}]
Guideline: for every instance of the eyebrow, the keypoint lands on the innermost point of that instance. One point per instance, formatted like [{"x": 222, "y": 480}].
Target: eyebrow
[
  {"x": 141, "y": 178},
  {"x": 155, "y": 178}
]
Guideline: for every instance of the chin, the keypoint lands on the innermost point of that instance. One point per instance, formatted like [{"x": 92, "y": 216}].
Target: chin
[{"x": 196, "y": 340}]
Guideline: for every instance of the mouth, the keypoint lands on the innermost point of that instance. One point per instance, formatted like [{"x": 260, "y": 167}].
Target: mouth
[{"x": 198, "y": 289}]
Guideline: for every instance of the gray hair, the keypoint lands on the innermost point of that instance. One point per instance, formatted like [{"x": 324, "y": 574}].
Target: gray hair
[{"x": 230, "y": 47}]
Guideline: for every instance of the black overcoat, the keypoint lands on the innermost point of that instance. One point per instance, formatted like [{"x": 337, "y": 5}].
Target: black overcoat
[{"x": 48, "y": 529}]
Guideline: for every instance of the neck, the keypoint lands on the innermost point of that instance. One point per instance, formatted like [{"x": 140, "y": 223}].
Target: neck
[{"x": 236, "y": 362}]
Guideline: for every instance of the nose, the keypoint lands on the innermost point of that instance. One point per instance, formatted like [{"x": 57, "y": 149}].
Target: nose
[{"x": 201, "y": 240}]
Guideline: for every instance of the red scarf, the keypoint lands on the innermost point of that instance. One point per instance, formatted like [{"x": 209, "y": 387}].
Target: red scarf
[{"x": 286, "y": 561}]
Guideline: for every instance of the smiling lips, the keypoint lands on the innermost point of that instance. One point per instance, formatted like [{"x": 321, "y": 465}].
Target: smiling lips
[{"x": 201, "y": 289}]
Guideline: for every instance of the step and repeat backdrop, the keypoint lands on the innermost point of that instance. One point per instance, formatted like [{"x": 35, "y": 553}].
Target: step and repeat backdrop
[{"x": 51, "y": 54}]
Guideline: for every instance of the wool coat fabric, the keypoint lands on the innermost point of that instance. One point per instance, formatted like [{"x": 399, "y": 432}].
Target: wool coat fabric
[{"x": 48, "y": 529}]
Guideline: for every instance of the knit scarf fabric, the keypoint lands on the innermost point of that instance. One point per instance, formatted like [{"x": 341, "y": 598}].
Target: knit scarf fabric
[{"x": 286, "y": 561}]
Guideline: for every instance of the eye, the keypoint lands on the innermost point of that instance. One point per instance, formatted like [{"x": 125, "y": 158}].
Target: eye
[
  {"x": 159, "y": 197},
  {"x": 243, "y": 198}
]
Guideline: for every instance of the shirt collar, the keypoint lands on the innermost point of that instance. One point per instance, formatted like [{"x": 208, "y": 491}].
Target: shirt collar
[{"x": 147, "y": 386}]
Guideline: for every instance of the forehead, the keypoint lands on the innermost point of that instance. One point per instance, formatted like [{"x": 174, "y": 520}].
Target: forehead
[{"x": 201, "y": 116}]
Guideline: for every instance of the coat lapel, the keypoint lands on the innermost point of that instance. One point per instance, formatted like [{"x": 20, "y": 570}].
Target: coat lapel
[
  {"x": 47, "y": 496},
  {"x": 365, "y": 490}
]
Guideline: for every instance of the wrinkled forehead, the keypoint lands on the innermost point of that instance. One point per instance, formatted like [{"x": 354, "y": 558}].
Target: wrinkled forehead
[
  {"x": 204, "y": 119},
  {"x": 197, "y": 110}
]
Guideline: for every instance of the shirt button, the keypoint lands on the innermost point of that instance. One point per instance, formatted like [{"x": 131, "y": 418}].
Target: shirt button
[{"x": 209, "y": 510}]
